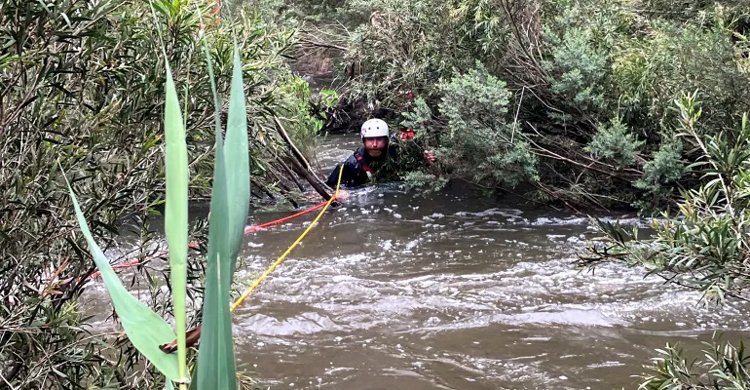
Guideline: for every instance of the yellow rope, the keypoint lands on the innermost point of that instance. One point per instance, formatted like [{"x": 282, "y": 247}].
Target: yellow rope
[{"x": 281, "y": 258}]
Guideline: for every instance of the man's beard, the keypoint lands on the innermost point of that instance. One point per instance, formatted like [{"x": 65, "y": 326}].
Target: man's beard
[{"x": 375, "y": 153}]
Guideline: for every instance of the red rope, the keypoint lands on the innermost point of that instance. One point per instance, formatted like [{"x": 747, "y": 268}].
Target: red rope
[
  {"x": 253, "y": 228},
  {"x": 196, "y": 244}
]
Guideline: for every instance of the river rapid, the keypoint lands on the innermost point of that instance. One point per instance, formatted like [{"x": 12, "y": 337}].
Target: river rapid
[{"x": 450, "y": 290}]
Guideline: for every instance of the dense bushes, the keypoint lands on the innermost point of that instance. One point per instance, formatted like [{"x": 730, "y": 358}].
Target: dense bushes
[
  {"x": 477, "y": 141},
  {"x": 706, "y": 247},
  {"x": 592, "y": 83},
  {"x": 82, "y": 89},
  {"x": 405, "y": 46}
]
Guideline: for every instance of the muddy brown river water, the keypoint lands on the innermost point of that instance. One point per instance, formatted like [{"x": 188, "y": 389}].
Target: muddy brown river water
[{"x": 453, "y": 291}]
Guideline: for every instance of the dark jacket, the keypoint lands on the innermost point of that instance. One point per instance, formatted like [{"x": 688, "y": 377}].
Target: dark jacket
[{"x": 359, "y": 168}]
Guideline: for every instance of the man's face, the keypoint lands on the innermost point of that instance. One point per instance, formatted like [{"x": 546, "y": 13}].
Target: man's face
[{"x": 376, "y": 146}]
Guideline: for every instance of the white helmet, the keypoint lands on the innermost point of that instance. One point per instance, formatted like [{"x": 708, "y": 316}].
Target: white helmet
[{"x": 374, "y": 128}]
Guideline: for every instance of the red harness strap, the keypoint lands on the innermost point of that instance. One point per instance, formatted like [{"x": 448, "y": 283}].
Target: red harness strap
[{"x": 369, "y": 171}]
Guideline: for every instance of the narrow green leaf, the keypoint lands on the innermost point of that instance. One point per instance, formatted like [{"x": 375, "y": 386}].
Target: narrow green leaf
[
  {"x": 229, "y": 204},
  {"x": 176, "y": 213},
  {"x": 168, "y": 385},
  {"x": 145, "y": 329},
  {"x": 216, "y": 366},
  {"x": 237, "y": 164}
]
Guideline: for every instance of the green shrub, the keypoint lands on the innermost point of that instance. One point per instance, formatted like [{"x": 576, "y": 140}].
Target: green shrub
[
  {"x": 420, "y": 118},
  {"x": 406, "y": 46},
  {"x": 652, "y": 71},
  {"x": 423, "y": 181},
  {"x": 661, "y": 175},
  {"x": 615, "y": 144},
  {"x": 477, "y": 142},
  {"x": 692, "y": 10},
  {"x": 704, "y": 246},
  {"x": 293, "y": 97},
  {"x": 577, "y": 68}
]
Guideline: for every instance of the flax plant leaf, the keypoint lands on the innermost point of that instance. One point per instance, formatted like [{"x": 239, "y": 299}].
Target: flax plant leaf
[
  {"x": 145, "y": 329},
  {"x": 236, "y": 156},
  {"x": 216, "y": 367},
  {"x": 176, "y": 213},
  {"x": 229, "y": 205}
]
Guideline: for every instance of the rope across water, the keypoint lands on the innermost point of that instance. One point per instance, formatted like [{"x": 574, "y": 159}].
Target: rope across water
[
  {"x": 193, "y": 335},
  {"x": 296, "y": 242}
]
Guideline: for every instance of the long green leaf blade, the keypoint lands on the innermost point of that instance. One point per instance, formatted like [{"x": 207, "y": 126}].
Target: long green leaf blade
[
  {"x": 216, "y": 367},
  {"x": 229, "y": 206},
  {"x": 237, "y": 162},
  {"x": 176, "y": 213},
  {"x": 145, "y": 329}
]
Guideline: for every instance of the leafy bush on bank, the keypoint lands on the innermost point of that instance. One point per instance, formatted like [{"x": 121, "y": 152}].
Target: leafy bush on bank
[{"x": 571, "y": 67}]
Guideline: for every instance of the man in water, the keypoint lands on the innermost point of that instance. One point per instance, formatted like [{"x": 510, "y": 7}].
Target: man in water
[{"x": 369, "y": 160}]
